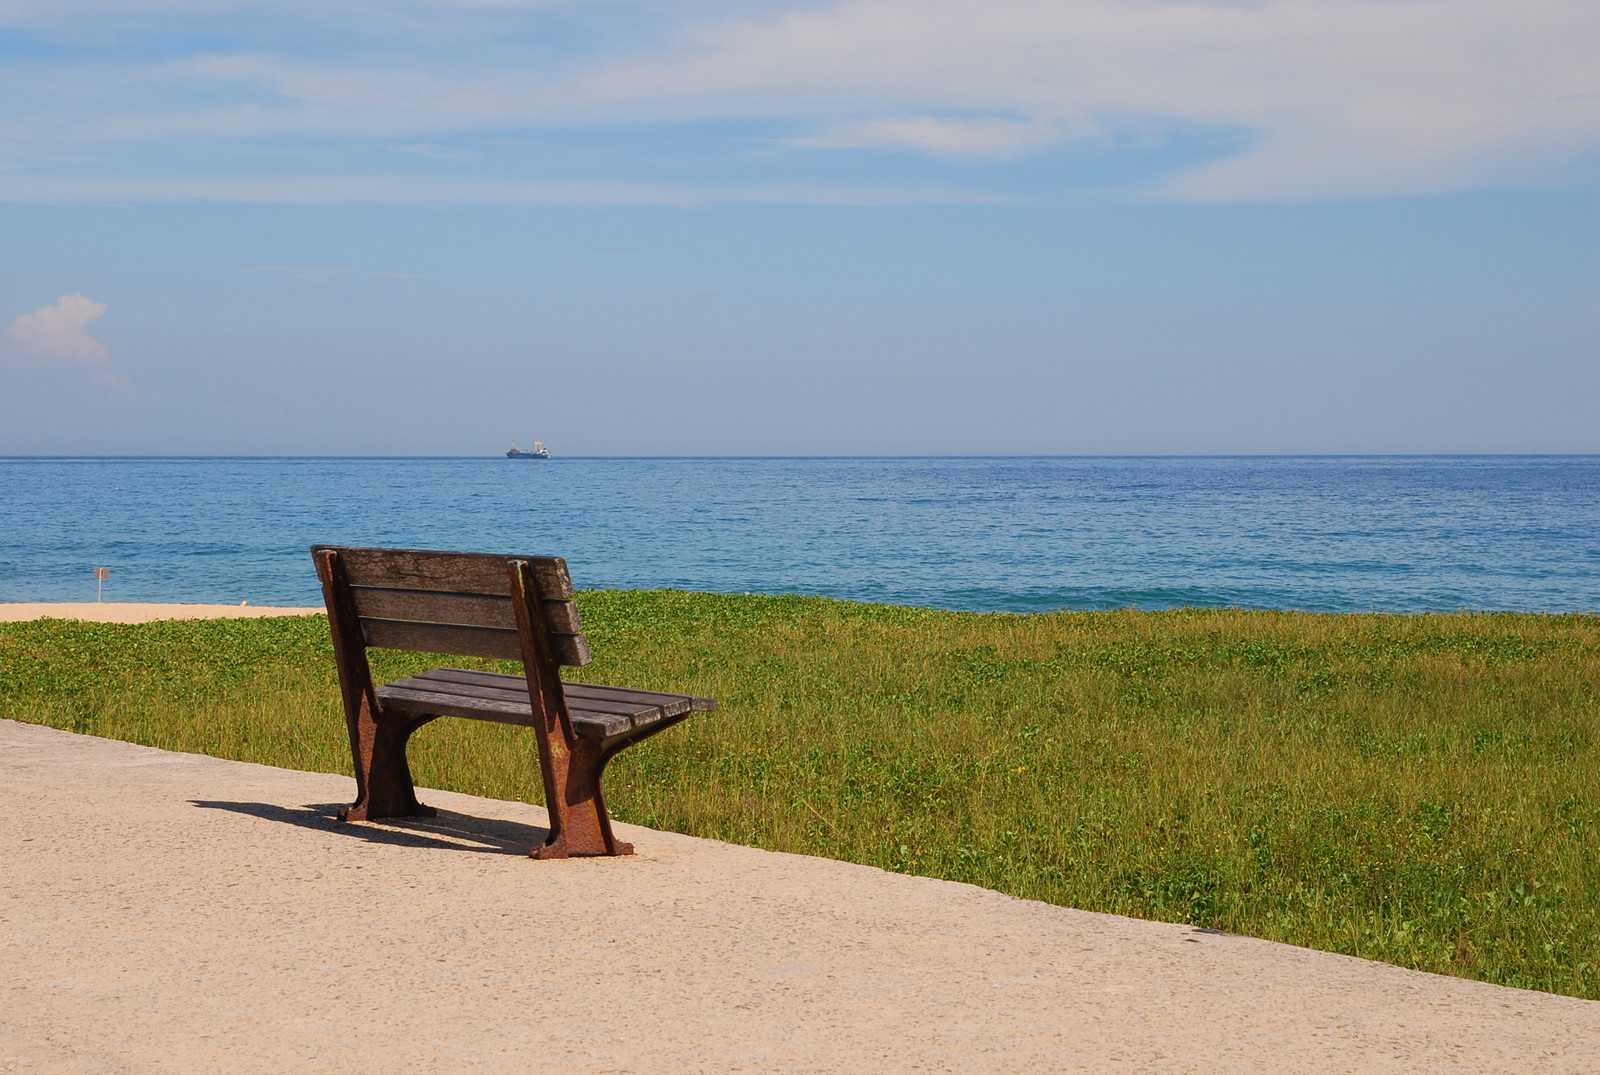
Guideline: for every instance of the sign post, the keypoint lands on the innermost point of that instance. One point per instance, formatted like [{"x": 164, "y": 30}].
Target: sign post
[{"x": 100, "y": 576}]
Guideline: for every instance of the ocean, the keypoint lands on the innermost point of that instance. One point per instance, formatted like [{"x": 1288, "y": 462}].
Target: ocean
[{"x": 1332, "y": 534}]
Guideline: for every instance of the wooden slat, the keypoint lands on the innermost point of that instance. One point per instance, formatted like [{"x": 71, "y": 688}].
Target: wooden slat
[
  {"x": 595, "y": 710},
  {"x": 444, "y": 705},
  {"x": 469, "y": 589},
  {"x": 593, "y": 693},
  {"x": 426, "y": 606},
  {"x": 406, "y": 699},
  {"x": 443, "y": 638},
  {"x": 474, "y": 610},
  {"x": 603, "y": 724},
  {"x": 482, "y": 679},
  {"x": 577, "y": 690},
  {"x": 584, "y": 695},
  {"x": 638, "y": 708},
  {"x": 571, "y": 650},
  {"x": 465, "y": 641},
  {"x": 452, "y": 572},
  {"x": 562, "y": 616},
  {"x": 514, "y": 688},
  {"x": 688, "y": 701}
]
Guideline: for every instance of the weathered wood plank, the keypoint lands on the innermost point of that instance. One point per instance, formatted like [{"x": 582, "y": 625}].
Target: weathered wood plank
[
  {"x": 571, "y": 650},
  {"x": 688, "y": 701},
  {"x": 581, "y": 690},
  {"x": 475, "y": 610},
  {"x": 405, "y": 699},
  {"x": 498, "y": 680},
  {"x": 465, "y": 641},
  {"x": 446, "y": 705},
  {"x": 619, "y": 708},
  {"x": 648, "y": 709},
  {"x": 443, "y": 638},
  {"x": 432, "y": 606},
  {"x": 562, "y": 616},
  {"x": 429, "y": 682},
  {"x": 456, "y": 572},
  {"x": 603, "y": 724},
  {"x": 593, "y": 692},
  {"x": 598, "y": 699}
]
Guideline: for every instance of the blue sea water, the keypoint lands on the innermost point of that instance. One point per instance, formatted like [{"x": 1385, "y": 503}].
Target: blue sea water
[{"x": 1014, "y": 534}]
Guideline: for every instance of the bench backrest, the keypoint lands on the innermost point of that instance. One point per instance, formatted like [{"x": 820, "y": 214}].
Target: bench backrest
[{"x": 454, "y": 602}]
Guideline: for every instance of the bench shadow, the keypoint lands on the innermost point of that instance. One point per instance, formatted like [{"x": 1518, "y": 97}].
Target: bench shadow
[{"x": 449, "y": 831}]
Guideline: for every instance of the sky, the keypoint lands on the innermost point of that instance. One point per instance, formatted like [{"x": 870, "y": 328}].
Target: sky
[{"x": 871, "y": 227}]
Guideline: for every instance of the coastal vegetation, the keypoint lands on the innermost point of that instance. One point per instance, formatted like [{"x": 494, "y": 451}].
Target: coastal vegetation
[{"x": 1418, "y": 789}]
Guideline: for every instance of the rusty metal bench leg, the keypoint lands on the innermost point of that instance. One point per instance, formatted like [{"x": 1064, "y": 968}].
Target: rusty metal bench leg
[
  {"x": 579, "y": 824},
  {"x": 378, "y": 746},
  {"x": 383, "y": 777},
  {"x": 582, "y": 826}
]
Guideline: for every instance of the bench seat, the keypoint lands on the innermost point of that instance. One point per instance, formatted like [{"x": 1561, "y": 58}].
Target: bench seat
[{"x": 599, "y": 712}]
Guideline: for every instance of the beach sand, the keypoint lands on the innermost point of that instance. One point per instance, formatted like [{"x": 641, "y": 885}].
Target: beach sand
[
  {"x": 122, "y": 612},
  {"x": 164, "y": 912}
]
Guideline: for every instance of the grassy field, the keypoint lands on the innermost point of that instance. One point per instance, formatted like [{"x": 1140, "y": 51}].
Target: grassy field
[{"x": 1423, "y": 790}]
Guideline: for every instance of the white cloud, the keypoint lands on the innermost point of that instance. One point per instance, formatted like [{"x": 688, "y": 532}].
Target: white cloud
[
  {"x": 931, "y": 134},
  {"x": 57, "y": 331}
]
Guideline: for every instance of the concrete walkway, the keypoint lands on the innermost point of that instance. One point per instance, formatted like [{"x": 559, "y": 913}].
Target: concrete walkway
[{"x": 166, "y": 912}]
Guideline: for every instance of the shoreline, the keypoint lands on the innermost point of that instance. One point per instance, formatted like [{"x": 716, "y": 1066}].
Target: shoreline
[
  {"x": 141, "y": 612},
  {"x": 150, "y": 611}
]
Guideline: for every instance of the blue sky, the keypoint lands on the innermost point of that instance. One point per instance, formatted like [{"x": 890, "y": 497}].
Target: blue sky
[{"x": 871, "y": 227}]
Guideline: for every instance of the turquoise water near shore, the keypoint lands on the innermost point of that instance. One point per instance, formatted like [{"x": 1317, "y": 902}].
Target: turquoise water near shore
[{"x": 1398, "y": 534}]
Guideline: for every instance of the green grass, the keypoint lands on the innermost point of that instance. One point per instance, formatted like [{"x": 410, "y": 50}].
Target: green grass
[{"x": 1423, "y": 790}]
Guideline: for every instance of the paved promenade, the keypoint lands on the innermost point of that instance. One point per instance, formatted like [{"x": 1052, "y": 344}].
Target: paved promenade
[{"x": 168, "y": 912}]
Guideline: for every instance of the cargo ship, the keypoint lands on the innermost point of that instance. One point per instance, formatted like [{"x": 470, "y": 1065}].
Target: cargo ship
[{"x": 538, "y": 451}]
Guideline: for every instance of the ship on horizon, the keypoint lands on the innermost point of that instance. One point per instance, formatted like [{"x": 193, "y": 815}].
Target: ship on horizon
[{"x": 538, "y": 451}]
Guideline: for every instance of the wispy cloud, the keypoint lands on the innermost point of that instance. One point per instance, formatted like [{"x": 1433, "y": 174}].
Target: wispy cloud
[
  {"x": 1318, "y": 98},
  {"x": 1329, "y": 99},
  {"x": 429, "y": 190},
  {"x": 436, "y": 152},
  {"x": 299, "y": 270},
  {"x": 932, "y": 134},
  {"x": 318, "y": 271},
  {"x": 334, "y": 190}
]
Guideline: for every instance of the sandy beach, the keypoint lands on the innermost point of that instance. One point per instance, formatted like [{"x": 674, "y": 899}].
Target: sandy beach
[
  {"x": 164, "y": 912},
  {"x": 127, "y": 612}
]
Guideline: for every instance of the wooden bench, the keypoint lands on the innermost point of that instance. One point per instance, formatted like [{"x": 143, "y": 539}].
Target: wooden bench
[{"x": 481, "y": 605}]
